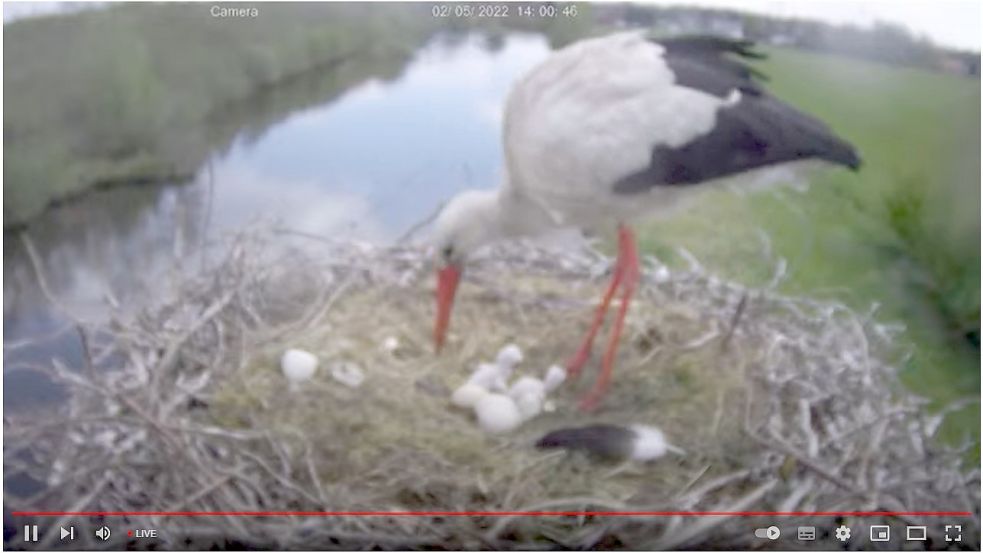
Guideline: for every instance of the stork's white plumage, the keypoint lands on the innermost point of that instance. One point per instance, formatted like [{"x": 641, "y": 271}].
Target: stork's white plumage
[{"x": 611, "y": 129}]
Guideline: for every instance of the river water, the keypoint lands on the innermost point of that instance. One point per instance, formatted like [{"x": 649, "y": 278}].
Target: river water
[{"x": 367, "y": 164}]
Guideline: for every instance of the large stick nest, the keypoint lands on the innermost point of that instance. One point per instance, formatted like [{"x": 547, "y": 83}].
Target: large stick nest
[{"x": 780, "y": 403}]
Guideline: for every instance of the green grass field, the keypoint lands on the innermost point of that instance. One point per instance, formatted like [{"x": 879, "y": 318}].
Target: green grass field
[{"x": 903, "y": 233}]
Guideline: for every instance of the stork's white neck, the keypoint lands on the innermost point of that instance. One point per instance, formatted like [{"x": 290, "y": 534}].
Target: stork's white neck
[
  {"x": 474, "y": 218},
  {"x": 470, "y": 220}
]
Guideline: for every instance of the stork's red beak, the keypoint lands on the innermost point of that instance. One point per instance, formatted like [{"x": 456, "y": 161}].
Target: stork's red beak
[{"x": 447, "y": 279}]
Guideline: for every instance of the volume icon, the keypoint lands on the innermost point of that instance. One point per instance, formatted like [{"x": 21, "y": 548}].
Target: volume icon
[{"x": 103, "y": 533}]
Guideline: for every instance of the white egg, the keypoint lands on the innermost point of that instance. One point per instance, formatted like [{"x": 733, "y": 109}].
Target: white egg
[
  {"x": 509, "y": 356},
  {"x": 468, "y": 395},
  {"x": 298, "y": 365},
  {"x": 497, "y": 413}
]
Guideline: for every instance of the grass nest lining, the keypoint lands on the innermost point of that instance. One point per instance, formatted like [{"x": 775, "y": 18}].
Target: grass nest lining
[{"x": 780, "y": 403}]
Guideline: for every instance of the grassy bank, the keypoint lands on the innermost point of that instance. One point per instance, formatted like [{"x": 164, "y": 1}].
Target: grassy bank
[
  {"x": 130, "y": 93},
  {"x": 903, "y": 233}
]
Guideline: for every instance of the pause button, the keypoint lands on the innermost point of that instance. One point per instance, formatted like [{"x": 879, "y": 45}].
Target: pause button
[{"x": 30, "y": 532}]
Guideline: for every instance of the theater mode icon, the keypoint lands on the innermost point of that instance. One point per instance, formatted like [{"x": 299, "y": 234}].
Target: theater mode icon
[{"x": 916, "y": 533}]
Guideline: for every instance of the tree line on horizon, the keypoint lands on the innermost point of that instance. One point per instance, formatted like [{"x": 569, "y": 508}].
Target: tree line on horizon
[{"x": 882, "y": 42}]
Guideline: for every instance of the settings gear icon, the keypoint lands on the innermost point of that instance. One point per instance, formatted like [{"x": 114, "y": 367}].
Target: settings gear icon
[{"x": 843, "y": 533}]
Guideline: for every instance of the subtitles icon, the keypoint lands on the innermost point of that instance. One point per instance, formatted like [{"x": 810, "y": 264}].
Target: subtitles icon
[{"x": 807, "y": 533}]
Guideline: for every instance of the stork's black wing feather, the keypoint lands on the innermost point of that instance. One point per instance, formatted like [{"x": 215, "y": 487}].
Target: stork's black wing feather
[
  {"x": 710, "y": 46},
  {"x": 757, "y": 130},
  {"x": 605, "y": 440}
]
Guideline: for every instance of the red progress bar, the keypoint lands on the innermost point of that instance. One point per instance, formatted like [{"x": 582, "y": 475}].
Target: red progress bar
[{"x": 492, "y": 513}]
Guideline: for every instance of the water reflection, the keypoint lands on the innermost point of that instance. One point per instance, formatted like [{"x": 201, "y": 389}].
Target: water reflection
[
  {"x": 402, "y": 147},
  {"x": 107, "y": 244},
  {"x": 376, "y": 154}
]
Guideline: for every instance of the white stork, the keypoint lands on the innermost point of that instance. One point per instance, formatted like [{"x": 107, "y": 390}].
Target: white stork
[{"x": 614, "y": 128}]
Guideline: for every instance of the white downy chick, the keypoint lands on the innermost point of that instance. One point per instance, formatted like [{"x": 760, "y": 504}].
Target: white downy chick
[
  {"x": 555, "y": 375},
  {"x": 490, "y": 376},
  {"x": 495, "y": 376},
  {"x": 298, "y": 366},
  {"x": 468, "y": 395},
  {"x": 509, "y": 356},
  {"x": 497, "y": 413},
  {"x": 528, "y": 393}
]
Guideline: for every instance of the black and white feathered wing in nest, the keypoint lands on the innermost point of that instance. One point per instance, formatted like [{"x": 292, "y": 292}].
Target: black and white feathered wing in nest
[{"x": 637, "y": 442}]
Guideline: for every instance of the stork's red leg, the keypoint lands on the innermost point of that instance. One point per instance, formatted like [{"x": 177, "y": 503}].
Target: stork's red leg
[
  {"x": 628, "y": 256},
  {"x": 577, "y": 362}
]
